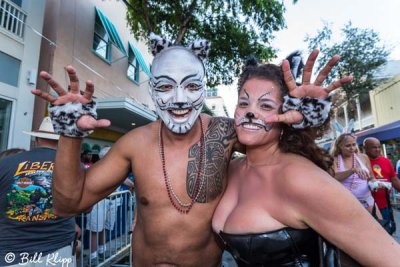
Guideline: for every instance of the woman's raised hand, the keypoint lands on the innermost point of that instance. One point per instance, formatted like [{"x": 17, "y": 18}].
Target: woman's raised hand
[
  {"x": 313, "y": 90},
  {"x": 309, "y": 90}
]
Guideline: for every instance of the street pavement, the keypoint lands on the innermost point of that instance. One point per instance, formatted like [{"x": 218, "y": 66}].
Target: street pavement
[{"x": 228, "y": 261}]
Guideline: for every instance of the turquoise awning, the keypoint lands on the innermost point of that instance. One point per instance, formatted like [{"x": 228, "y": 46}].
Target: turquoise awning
[
  {"x": 112, "y": 32},
  {"x": 140, "y": 59}
]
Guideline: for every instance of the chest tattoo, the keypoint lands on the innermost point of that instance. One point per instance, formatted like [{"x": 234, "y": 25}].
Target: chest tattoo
[{"x": 219, "y": 140}]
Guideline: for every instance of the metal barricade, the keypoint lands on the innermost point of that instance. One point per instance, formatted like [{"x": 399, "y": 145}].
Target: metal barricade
[
  {"x": 108, "y": 224},
  {"x": 395, "y": 198}
]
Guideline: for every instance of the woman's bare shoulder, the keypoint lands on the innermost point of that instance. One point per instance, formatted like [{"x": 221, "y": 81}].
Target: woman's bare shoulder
[{"x": 298, "y": 171}]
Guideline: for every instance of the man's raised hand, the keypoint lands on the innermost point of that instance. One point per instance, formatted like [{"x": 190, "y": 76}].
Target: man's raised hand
[{"x": 85, "y": 121}]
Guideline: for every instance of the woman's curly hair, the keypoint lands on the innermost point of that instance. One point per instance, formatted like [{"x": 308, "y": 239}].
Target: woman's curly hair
[{"x": 297, "y": 141}]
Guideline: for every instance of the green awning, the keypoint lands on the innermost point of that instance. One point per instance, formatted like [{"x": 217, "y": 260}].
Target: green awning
[
  {"x": 140, "y": 59},
  {"x": 112, "y": 32}
]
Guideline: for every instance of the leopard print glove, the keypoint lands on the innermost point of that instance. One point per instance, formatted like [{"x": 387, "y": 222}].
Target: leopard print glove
[
  {"x": 315, "y": 111},
  {"x": 64, "y": 117}
]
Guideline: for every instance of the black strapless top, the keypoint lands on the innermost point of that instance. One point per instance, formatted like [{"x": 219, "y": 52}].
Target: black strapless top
[{"x": 283, "y": 247}]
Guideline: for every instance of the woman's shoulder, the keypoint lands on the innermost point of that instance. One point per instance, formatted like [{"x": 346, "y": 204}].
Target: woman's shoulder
[
  {"x": 296, "y": 161},
  {"x": 298, "y": 169}
]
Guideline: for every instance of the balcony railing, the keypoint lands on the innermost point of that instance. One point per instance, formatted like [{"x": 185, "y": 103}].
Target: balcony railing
[
  {"x": 366, "y": 122},
  {"x": 12, "y": 18}
]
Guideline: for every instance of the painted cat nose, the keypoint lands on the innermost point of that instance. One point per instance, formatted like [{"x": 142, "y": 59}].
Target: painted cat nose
[{"x": 250, "y": 115}]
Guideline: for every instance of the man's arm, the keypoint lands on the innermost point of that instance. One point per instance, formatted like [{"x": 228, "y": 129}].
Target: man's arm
[
  {"x": 73, "y": 115},
  {"x": 75, "y": 189},
  {"x": 393, "y": 176},
  {"x": 395, "y": 183}
]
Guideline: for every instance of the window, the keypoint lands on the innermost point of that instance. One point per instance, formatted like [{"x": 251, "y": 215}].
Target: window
[
  {"x": 212, "y": 92},
  {"x": 5, "y": 116},
  {"x": 101, "y": 41},
  {"x": 9, "y": 67},
  {"x": 105, "y": 35},
  {"x": 133, "y": 67},
  {"x": 136, "y": 64}
]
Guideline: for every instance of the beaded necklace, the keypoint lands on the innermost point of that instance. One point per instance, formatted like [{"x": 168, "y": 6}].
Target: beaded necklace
[
  {"x": 184, "y": 208},
  {"x": 353, "y": 165}
]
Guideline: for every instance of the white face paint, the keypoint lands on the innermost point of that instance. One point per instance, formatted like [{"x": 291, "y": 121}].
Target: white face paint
[{"x": 177, "y": 88}]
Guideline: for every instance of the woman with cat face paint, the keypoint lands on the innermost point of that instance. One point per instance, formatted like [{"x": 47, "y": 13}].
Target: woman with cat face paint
[{"x": 280, "y": 197}]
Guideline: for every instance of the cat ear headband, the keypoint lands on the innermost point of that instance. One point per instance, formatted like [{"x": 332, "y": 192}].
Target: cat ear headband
[{"x": 200, "y": 47}]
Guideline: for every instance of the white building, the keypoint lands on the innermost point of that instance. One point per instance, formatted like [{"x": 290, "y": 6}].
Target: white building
[
  {"x": 216, "y": 103},
  {"x": 21, "y": 23}
]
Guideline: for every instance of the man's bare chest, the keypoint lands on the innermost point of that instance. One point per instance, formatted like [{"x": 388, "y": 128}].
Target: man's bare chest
[{"x": 195, "y": 172}]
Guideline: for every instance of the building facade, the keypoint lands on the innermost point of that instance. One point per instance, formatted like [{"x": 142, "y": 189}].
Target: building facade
[
  {"x": 385, "y": 102},
  {"x": 372, "y": 111},
  {"x": 216, "y": 103},
  {"x": 94, "y": 38},
  {"x": 21, "y": 23}
]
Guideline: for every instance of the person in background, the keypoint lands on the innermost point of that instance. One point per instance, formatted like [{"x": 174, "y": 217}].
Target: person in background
[
  {"x": 27, "y": 222},
  {"x": 383, "y": 170},
  {"x": 280, "y": 197},
  {"x": 10, "y": 151},
  {"x": 95, "y": 158},
  {"x": 101, "y": 217},
  {"x": 86, "y": 158},
  {"x": 353, "y": 169}
]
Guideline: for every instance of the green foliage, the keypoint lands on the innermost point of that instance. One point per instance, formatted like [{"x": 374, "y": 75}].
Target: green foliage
[
  {"x": 236, "y": 28},
  {"x": 361, "y": 54}
]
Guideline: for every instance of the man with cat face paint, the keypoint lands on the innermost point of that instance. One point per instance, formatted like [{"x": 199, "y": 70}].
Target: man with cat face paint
[
  {"x": 179, "y": 161},
  {"x": 178, "y": 90}
]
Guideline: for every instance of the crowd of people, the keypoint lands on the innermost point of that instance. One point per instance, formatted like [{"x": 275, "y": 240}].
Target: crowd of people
[
  {"x": 268, "y": 208},
  {"x": 104, "y": 214}
]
